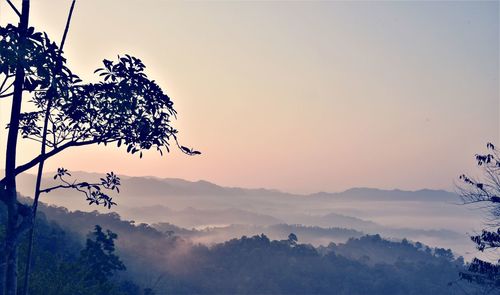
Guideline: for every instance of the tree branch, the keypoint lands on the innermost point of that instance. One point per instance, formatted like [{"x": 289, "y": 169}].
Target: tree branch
[
  {"x": 22, "y": 168},
  {"x": 14, "y": 8},
  {"x": 8, "y": 87},
  {"x": 68, "y": 185},
  {"x": 6, "y": 95},
  {"x": 67, "y": 24},
  {"x": 5, "y": 81}
]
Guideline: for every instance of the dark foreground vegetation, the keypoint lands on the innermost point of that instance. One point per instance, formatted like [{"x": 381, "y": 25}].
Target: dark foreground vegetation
[{"x": 69, "y": 260}]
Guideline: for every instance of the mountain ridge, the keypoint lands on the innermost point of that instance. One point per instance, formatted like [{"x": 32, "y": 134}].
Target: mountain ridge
[{"x": 205, "y": 187}]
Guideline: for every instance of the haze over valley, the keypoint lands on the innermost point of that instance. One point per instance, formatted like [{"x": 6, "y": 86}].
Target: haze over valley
[{"x": 207, "y": 213}]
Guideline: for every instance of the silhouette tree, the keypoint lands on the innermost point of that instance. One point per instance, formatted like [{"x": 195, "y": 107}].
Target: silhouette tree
[
  {"x": 64, "y": 268},
  {"x": 292, "y": 239},
  {"x": 99, "y": 257},
  {"x": 18, "y": 47},
  {"x": 485, "y": 192},
  {"x": 126, "y": 108}
]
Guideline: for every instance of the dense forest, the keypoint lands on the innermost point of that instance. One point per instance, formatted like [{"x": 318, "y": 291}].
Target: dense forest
[{"x": 139, "y": 259}]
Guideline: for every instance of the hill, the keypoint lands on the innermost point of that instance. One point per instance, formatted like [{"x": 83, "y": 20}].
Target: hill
[
  {"x": 168, "y": 263},
  {"x": 430, "y": 216}
]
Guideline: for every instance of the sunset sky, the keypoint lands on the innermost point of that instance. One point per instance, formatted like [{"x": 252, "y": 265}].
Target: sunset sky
[{"x": 297, "y": 96}]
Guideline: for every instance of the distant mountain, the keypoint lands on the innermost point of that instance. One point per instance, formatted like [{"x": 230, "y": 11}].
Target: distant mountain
[
  {"x": 431, "y": 216},
  {"x": 177, "y": 193},
  {"x": 153, "y": 186},
  {"x": 373, "y": 194}
]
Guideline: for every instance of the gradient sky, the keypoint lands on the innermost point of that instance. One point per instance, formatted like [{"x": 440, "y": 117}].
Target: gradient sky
[{"x": 298, "y": 96}]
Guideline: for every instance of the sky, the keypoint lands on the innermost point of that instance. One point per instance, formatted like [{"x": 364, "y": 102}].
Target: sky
[{"x": 298, "y": 96}]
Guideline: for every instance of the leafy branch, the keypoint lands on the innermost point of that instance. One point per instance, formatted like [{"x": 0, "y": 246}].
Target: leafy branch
[{"x": 94, "y": 192}]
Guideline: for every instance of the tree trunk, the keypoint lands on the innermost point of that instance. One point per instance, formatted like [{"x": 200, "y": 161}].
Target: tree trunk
[
  {"x": 51, "y": 95},
  {"x": 9, "y": 266},
  {"x": 9, "y": 259}
]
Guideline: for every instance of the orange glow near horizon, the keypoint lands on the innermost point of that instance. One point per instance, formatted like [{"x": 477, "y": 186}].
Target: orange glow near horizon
[{"x": 298, "y": 96}]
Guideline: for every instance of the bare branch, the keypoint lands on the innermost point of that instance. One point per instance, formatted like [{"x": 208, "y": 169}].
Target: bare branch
[
  {"x": 5, "y": 81},
  {"x": 14, "y": 8},
  {"x": 8, "y": 87},
  {"x": 6, "y": 95},
  {"x": 67, "y": 24}
]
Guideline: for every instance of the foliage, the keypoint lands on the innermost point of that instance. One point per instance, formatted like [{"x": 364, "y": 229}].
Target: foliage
[
  {"x": 292, "y": 239},
  {"x": 62, "y": 266},
  {"x": 93, "y": 191},
  {"x": 98, "y": 256},
  {"x": 37, "y": 55},
  {"x": 125, "y": 108},
  {"x": 485, "y": 191}
]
